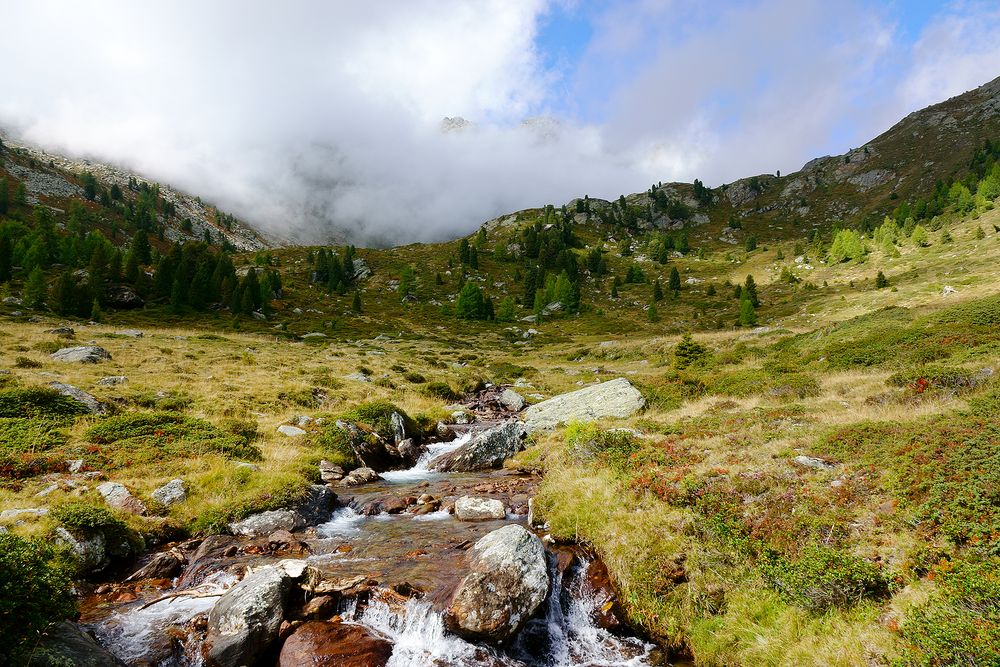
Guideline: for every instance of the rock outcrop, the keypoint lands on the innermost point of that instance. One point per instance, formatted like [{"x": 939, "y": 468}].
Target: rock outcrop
[
  {"x": 66, "y": 643},
  {"x": 468, "y": 508},
  {"x": 82, "y": 354},
  {"x": 616, "y": 398},
  {"x": 507, "y": 582},
  {"x": 118, "y": 496},
  {"x": 94, "y": 406}
]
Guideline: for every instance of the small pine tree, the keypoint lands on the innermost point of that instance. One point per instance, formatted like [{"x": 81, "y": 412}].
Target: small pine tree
[
  {"x": 689, "y": 352},
  {"x": 438, "y": 280},
  {"x": 4, "y": 196},
  {"x": 407, "y": 281},
  {"x": 34, "y": 288},
  {"x": 711, "y": 290},
  {"x": 980, "y": 234},
  {"x": 652, "y": 314},
  {"x": 657, "y": 291},
  {"x": 95, "y": 311},
  {"x": 505, "y": 311},
  {"x": 356, "y": 301},
  {"x": 748, "y": 317},
  {"x": 749, "y": 291},
  {"x": 481, "y": 238},
  {"x": 946, "y": 236},
  {"x": 21, "y": 195},
  {"x": 751, "y": 243},
  {"x": 675, "y": 281},
  {"x": 881, "y": 281},
  {"x": 614, "y": 289},
  {"x": 473, "y": 258},
  {"x": 919, "y": 236}
]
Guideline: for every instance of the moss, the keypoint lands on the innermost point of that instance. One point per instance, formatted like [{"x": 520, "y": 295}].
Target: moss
[
  {"x": 441, "y": 390},
  {"x": 377, "y": 415}
]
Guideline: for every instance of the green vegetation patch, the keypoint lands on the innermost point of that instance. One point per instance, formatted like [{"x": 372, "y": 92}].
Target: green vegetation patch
[
  {"x": 35, "y": 590},
  {"x": 377, "y": 415},
  {"x": 145, "y": 437},
  {"x": 38, "y": 403}
]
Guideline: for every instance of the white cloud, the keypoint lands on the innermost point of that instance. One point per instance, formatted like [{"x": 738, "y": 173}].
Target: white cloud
[{"x": 314, "y": 116}]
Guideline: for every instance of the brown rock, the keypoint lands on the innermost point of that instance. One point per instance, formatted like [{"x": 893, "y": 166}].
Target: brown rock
[
  {"x": 320, "y": 606},
  {"x": 325, "y": 644}
]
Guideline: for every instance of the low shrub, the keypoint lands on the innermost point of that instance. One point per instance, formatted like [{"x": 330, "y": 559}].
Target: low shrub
[
  {"x": 35, "y": 590},
  {"x": 822, "y": 577},
  {"x": 960, "y": 623},
  {"x": 38, "y": 403},
  {"x": 377, "y": 415},
  {"x": 415, "y": 378},
  {"x": 441, "y": 390},
  {"x": 336, "y": 445},
  {"x": 145, "y": 437},
  {"x": 614, "y": 448}
]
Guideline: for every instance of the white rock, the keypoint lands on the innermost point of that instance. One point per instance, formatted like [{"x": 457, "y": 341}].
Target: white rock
[
  {"x": 170, "y": 493},
  {"x": 291, "y": 431},
  {"x": 468, "y": 508},
  {"x": 616, "y": 398}
]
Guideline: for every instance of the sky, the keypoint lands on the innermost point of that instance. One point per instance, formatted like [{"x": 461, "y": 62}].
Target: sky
[{"x": 316, "y": 120}]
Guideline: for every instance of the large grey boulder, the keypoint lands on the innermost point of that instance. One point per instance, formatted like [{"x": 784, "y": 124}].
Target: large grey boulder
[
  {"x": 360, "y": 476},
  {"x": 487, "y": 450},
  {"x": 468, "y": 508},
  {"x": 65, "y": 643},
  {"x": 507, "y": 582},
  {"x": 245, "y": 621},
  {"x": 83, "y": 354},
  {"x": 265, "y": 523},
  {"x": 316, "y": 506},
  {"x": 92, "y": 550},
  {"x": 118, "y": 496},
  {"x": 616, "y": 398},
  {"x": 94, "y": 406}
]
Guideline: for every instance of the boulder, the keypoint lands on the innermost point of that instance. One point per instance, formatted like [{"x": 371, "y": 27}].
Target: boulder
[
  {"x": 468, "y": 508},
  {"x": 409, "y": 450},
  {"x": 123, "y": 297},
  {"x": 369, "y": 447},
  {"x": 94, "y": 406},
  {"x": 130, "y": 333},
  {"x": 119, "y": 497},
  {"x": 330, "y": 472},
  {"x": 330, "y": 644},
  {"x": 208, "y": 558},
  {"x": 291, "y": 431},
  {"x": 507, "y": 582},
  {"x": 265, "y": 523},
  {"x": 23, "y": 512},
  {"x": 360, "y": 476},
  {"x": 90, "y": 548},
  {"x": 245, "y": 621},
  {"x": 83, "y": 354},
  {"x": 112, "y": 380},
  {"x": 615, "y": 398},
  {"x": 164, "y": 565},
  {"x": 171, "y": 493},
  {"x": 511, "y": 400},
  {"x": 315, "y": 508},
  {"x": 487, "y": 450},
  {"x": 65, "y": 332},
  {"x": 65, "y": 643},
  {"x": 813, "y": 462}
]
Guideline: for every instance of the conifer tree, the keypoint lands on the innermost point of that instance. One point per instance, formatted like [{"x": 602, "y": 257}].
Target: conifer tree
[
  {"x": 657, "y": 291},
  {"x": 473, "y": 258},
  {"x": 675, "y": 281},
  {"x": 881, "y": 281},
  {"x": 470, "y": 304},
  {"x": 748, "y": 317},
  {"x": 505, "y": 311},
  {"x": 34, "y": 288},
  {"x": 6, "y": 257},
  {"x": 750, "y": 291},
  {"x": 356, "y": 302},
  {"x": 140, "y": 246},
  {"x": 652, "y": 314},
  {"x": 4, "y": 196},
  {"x": 64, "y": 294},
  {"x": 481, "y": 238},
  {"x": 463, "y": 252},
  {"x": 407, "y": 281},
  {"x": 614, "y": 289}
]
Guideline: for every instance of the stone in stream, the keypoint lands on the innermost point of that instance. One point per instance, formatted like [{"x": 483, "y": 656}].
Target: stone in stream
[
  {"x": 409, "y": 450},
  {"x": 487, "y": 450},
  {"x": 370, "y": 448},
  {"x": 507, "y": 582},
  {"x": 398, "y": 427},
  {"x": 329, "y": 644},
  {"x": 244, "y": 622},
  {"x": 84, "y": 354},
  {"x": 164, "y": 565},
  {"x": 265, "y": 523},
  {"x": 468, "y": 508},
  {"x": 615, "y": 398},
  {"x": 66, "y": 643},
  {"x": 360, "y": 476}
]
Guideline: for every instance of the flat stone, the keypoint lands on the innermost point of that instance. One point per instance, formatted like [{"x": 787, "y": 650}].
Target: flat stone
[
  {"x": 813, "y": 462},
  {"x": 130, "y": 333},
  {"x": 118, "y": 496},
  {"x": 94, "y": 406},
  {"x": 291, "y": 431},
  {"x": 468, "y": 508},
  {"x": 112, "y": 380},
  {"x": 615, "y": 398},
  {"x": 265, "y": 523},
  {"x": 83, "y": 354}
]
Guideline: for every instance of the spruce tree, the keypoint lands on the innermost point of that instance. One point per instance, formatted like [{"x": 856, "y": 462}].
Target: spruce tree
[
  {"x": 140, "y": 247},
  {"x": 470, "y": 304},
  {"x": 34, "y": 288},
  {"x": 356, "y": 302},
  {"x": 473, "y": 258},
  {"x": 748, "y": 317},
  {"x": 6, "y": 257},
  {"x": 657, "y": 291},
  {"x": 4, "y": 196},
  {"x": 652, "y": 314},
  {"x": 614, "y": 289},
  {"x": 881, "y": 281},
  {"x": 750, "y": 291},
  {"x": 64, "y": 294},
  {"x": 505, "y": 311},
  {"x": 481, "y": 238},
  {"x": 463, "y": 252},
  {"x": 675, "y": 281}
]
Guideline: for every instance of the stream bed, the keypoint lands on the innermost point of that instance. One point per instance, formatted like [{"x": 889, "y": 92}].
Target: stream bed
[{"x": 413, "y": 552}]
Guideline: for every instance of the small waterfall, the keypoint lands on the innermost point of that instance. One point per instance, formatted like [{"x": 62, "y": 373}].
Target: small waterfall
[
  {"x": 419, "y": 635},
  {"x": 139, "y": 635},
  {"x": 345, "y": 522},
  {"x": 421, "y": 470}
]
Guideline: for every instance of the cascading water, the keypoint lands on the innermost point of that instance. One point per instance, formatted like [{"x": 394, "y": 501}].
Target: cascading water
[{"x": 421, "y": 470}]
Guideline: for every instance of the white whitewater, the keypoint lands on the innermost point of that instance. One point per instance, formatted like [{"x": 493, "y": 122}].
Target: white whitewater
[{"x": 422, "y": 470}]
